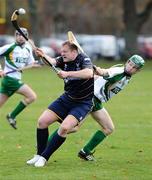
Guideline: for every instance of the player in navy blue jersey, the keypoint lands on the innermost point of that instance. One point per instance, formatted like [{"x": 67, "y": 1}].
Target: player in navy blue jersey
[{"x": 71, "y": 107}]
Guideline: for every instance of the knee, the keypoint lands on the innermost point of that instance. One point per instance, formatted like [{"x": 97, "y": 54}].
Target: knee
[
  {"x": 41, "y": 124},
  {"x": 63, "y": 130},
  {"x": 109, "y": 130},
  {"x": 73, "y": 130},
  {"x": 32, "y": 98}
]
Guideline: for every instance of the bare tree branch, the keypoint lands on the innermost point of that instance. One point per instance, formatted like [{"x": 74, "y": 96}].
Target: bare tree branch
[{"x": 143, "y": 17}]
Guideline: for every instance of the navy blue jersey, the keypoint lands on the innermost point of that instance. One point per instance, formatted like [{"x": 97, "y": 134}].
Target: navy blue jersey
[{"x": 77, "y": 88}]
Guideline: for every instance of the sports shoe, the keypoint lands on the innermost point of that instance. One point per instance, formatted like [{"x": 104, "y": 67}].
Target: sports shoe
[
  {"x": 11, "y": 121},
  {"x": 33, "y": 160},
  {"x": 86, "y": 156},
  {"x": 41, "y": 162}
]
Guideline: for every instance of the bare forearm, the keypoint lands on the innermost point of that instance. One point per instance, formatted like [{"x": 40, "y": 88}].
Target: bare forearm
[
  {"x": 50, "y": 59},
  {"x": 84, "y": 74},
  {"x": 40, "y": 53},
  {"x": 101, "y": 72}
]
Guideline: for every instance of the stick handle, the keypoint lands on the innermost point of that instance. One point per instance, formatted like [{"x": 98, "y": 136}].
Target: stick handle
[
  {"x": 20, "y": 69},
  {"x": 48, "y": 63},
  {"x": 32, "y": 44},
  {"x": 15, "y": 24}
]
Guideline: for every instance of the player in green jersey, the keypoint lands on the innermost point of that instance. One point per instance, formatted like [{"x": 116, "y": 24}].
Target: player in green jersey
[
  {"x": 17, "y": 56},
  {"x": 108, "y": 83}
]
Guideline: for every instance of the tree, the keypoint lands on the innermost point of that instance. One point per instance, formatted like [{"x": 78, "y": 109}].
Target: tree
[
  {"x": 133, "y": 23},
  {"x": 34, "y": 20}
]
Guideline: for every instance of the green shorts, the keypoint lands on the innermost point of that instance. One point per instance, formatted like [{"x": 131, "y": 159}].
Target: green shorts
[
  {"x": 97, "y": 104},
  {"x": 10, "y": 85}
]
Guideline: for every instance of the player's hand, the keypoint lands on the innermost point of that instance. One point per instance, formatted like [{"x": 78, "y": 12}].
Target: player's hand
[
  {"x": 2, "y": 74},
  {"x": 100, "y": 71},
  {"x": 39, "y": 52},
  {"x": 96, "y": 70},
  {"x": 62, "y": 74}
]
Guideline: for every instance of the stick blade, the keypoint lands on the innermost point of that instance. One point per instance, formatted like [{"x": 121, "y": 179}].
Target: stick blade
[
  {"x": 73, "y": 40},
  {"x": 14, "y": 16},
  {"x": 71, "y": 37}
]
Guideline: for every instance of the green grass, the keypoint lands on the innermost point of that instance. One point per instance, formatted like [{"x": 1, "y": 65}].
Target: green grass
[{"x": 125, "y": 155}]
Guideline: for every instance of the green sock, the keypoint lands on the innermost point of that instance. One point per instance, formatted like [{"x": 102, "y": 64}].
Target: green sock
[
  {"x": 94, "y": 141},
  {"x": 18, "y": 109},
  {"x": 50, "y": 137}
]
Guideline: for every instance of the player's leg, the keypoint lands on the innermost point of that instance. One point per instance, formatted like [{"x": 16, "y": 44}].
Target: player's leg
[
  {"x": 18, "y": 87},
  {"x": 59, "y": 136},
  {"x": 57, "y": 139},
  {"x": 107, "y": 127},
  {"x": 3, "y": 99},
  {"x": 29, "y": 97},
  {"x": 75, "y": 114},
  {"x": 62, "y": 112},
  {"x": 5, "y": 91},
  {"x": 47, "y": 117},
  {"x": 69, "y": 123},
  {"x": 73, "y": 130}
]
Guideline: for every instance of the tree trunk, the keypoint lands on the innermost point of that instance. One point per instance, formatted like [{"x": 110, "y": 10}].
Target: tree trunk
[
  {"x": 130, "y": 33},
  {"x": 34, "y": 21},
  {"x": 133, "y": 24}
]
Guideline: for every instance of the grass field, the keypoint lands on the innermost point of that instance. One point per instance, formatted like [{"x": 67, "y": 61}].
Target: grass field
[{"x": 125, "y": 155}]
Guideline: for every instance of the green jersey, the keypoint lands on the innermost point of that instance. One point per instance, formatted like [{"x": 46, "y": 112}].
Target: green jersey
[
  {"x": 106, "y": 87},
  {"x": 16, "y": 57}
]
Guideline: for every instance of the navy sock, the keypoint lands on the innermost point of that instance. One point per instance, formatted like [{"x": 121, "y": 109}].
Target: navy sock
[
  {"x": 53, "y": 145},
  {"x": 42, "y": 138}
]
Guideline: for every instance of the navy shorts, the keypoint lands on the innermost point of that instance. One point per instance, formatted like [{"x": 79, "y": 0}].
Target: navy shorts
[{"x": 64, "y": 106}]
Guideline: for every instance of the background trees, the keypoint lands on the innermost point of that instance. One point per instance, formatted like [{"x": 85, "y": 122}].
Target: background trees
[
  {"x": 118, "y": 17},
  {"x": 134, "y": 20}
]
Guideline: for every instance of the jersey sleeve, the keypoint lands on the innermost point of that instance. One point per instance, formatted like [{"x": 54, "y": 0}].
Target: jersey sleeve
[
  {"x": 86, "y": 63},
  {"x": 59, "y": 62},
  {"x": 113, "y": 71},
  {"x": 4, "y": 48}
]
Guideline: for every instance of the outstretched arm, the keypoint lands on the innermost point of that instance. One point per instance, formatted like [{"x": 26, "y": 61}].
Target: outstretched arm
[
  {"x": 100, "y": 71},
  {"x": 84, "y": 74},
  {"x": 40, "y": 53}
]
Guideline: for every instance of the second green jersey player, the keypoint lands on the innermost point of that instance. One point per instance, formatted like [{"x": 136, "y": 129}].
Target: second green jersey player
[{"x": 109, "y": 83}]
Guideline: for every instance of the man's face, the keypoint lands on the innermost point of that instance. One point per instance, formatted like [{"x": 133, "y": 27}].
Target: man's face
[
  {"x": 131, "y": 68},
  {"x": 68, "y": 54},
  {"x": 19, "y": 38}
]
